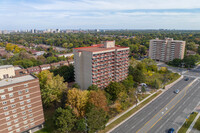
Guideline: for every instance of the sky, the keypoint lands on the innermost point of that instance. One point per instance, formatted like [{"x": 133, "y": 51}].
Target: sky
[{"x": 99, "y": 14}]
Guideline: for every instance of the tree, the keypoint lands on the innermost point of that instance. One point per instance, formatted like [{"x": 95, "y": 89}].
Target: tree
[
  {"x": 128, "y": 83},
  {"x": 81, "y": 125},
  {"x": 77, "y": 99},
  {"x": 138, "y": 75},
  {"x": 96, "y": 119},
  {"x": 75, "y": 85},
  {"x": 93, "y": 87},
  {"x": 198, "y": 50},
  {"x": 52, "y": 88},
  {"x": 156, "y": 84},
  {"x": 67, "y": 72},
  {"x": 98, "y": 99},
  {"x": 114, "y": 88},
  {"x": 64, "y": 120}
]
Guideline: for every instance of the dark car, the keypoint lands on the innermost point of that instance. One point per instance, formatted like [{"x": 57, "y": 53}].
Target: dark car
[
  {"x": 186, "y": 79},
  {"x": 171, "y": 130}
]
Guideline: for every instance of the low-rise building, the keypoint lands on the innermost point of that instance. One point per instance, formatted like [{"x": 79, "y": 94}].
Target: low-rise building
[
  {"x": 45, "y": 67},
  {"x": 35, "y": 69}
]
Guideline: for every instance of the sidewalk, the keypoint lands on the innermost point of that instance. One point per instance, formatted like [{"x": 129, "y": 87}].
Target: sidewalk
[
  {"x": 191, "y": 126},
  {"x": 118, "y": 116}
]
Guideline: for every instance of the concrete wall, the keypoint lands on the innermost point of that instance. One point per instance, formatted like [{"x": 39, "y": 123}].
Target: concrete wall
[{"x": 7, "y": 70}]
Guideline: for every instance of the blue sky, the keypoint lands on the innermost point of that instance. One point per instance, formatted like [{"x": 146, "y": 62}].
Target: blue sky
[{"x": 99, "y": 14}]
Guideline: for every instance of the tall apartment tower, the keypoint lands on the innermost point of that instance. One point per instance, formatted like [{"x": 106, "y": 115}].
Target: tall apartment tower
[
  {"x": 100, "y": 64},
  {"x": 166, "y": 50},
  {"x": 20, "y": 102}
]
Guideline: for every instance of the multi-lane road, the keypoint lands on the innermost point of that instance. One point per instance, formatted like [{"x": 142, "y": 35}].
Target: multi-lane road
[{"x": 167, "y": 111}]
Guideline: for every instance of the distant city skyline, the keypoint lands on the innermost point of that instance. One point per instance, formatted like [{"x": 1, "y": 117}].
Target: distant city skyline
[{"x": 99, "y": 14}]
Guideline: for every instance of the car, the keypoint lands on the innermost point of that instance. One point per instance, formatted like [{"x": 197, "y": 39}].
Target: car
[
  {"x": 171, "y": 130},
  {"x": 186, "y": 79},
  {"x": 176, "y": 91}
]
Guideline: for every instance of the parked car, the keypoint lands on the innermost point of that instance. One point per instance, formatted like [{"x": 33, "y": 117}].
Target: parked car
[
  {"x": 176, "y": 91},
  {"x": 171, "y": 130}
]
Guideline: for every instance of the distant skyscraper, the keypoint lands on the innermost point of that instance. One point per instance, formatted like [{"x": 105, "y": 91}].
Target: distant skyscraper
[
  {"x": 100, "y": 64},
  {"x": 166, "y": 50}
]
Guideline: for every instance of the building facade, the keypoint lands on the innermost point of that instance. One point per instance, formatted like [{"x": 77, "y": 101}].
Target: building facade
[
  {"x": 100, "y": 64},
  {"x": 166, "y": 50},
  {"x": 20, "y": 104}
]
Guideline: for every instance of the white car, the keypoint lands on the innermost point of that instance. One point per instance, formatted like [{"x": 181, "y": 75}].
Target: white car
[{"x": 176, "y": 91}]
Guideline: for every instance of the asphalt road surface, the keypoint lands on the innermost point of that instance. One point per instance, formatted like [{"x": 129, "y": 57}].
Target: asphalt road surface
[{"x": 137, "y": 122}]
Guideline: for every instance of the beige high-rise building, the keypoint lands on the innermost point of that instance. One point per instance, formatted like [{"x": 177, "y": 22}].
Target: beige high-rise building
[
  {"x": 166, "y": 50},
  {"x": 100, "y": 64}
]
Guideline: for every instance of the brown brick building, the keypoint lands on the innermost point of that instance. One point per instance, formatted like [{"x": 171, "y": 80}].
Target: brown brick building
[{"x": 20, "y": 103}]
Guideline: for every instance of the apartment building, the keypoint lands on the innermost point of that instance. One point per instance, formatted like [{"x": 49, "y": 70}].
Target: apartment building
[
  {"x": 166, "y": 50},
  {"x": 20, "y": 102},
  {"x": 100, "y": 64}
]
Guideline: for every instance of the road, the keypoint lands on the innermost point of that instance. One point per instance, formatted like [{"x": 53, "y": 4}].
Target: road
[{"x": 136, "y": 123}]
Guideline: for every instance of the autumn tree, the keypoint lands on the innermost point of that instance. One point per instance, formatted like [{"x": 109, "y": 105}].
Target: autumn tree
[
  {"x": 77, "y": 99},
  {"x": 98, "y": 99}
]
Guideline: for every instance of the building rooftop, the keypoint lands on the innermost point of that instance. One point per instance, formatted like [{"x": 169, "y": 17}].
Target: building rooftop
[
  {"x": 98, "y": 47},
  {"x": 5, "y": 66},
  {"x": 16, "y": 80},
  {"x": 17, "y": 68}
]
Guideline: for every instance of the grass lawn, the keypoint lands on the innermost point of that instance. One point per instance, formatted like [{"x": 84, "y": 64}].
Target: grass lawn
[
  {"x": 197, "y": 124},
  {"x": 125, "y": 116},
  {"x": 187, "y": 123},
  {"x": 141, "y": 97},
  {"x": 49, "y": 125}
]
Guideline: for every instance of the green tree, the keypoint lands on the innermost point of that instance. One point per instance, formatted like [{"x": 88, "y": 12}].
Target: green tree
[
  {"x": 93, "y": 87},
  {"x": 128, "y": 83},
  {"x": 96, "y": 119},
  {"x": 114, "y": 88},
  {"x": 67, "y": 72},
  {"x": 81, "y": 125},
  {"x": 64, "y": 120}
]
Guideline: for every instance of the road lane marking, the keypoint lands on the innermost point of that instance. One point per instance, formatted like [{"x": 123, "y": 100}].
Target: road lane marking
[{"x": 167, "y": 105}]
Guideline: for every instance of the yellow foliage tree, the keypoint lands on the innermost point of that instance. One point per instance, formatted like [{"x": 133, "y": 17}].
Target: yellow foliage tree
[
  {"x": 10, "y": 47},
  {"x": 77, "y": 99}
]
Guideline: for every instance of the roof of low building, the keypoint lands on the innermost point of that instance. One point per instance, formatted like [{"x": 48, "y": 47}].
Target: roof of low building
[{"x": 5, "y": 66}]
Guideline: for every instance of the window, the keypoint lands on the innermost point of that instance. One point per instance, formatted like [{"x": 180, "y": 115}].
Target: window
[
  {"x": 26, "y": 127},
  {"x": 32, "y": 124},
  {"x": 23, "y": 113},
  {"x": 20, "y": 92},
  {"x": 30, "y": 110},
  {"x": 11, "y": 132},
  {"x": 10, "y": 89},
  {"x": 18, "y": 130},
  {"x": 3, "y": 97},
  {"x": 29, "y": 105},
  {"x": 5, "y": 108},
  {"x": 9, "y": 128},
  {"x": 22, "y": 103},
  {"x": 11, "y": 95},
  {"x": 2, "y": 91},
  {"x": 4, "y": 102},
  {"x": 16, "y": 120},
  {"x": 12, "y": 100},
  {"x": 8, "y": 123},
  {"x": 27, "y": 96},
  {"x": 31, "y": 120},
  {"x": 25, "y": 85},
  {"x": 28, "y": 101},
  {"x": 27, "y": 90},
  {"x": 24, "y": 118},
  {"x": 21, "y": 98},
  {"x": 7, "y": 118},
  {"x": 14, "y": 111},
  {"x": 6, "y": 113},
  {"x": 25, "y": 122},
  {"x": 22, "y": 108},
  {"x": 15, "y": 116},
  {"x": 30, "y": 115},
  {"x": 13, "y": 105},
  {"x": 17, "y": 125}
]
